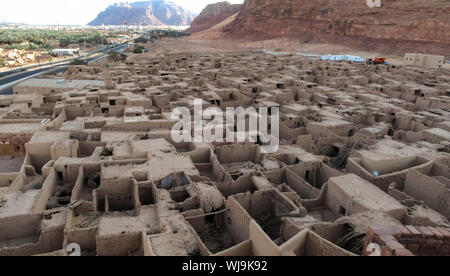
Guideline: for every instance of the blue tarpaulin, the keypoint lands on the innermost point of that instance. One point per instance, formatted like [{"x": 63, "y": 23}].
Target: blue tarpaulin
[{"x": 342, "y": 58}]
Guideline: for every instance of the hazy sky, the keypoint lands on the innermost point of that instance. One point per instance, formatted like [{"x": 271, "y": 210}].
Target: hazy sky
[{"x": 73, "y": 12}]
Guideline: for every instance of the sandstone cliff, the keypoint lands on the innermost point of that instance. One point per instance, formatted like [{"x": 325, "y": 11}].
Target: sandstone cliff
[
  {"x": 153, "y": 13},
  {"x": 213, "y": 14},
  {"x": 397, "y": 27}
]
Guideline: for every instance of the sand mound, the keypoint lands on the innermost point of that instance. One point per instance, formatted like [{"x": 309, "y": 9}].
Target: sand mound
[{"x": 216, "y": 32}]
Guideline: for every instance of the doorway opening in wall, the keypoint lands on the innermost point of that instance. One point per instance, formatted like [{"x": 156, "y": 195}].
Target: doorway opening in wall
[
  {"x": 281, "y": 86},
  {"x": 112, "y": 102},
  {"x": 210, "y": 218},
  {"x": 307, "y": 176},
  {"x": 101, "y": 205},
  {"x": 258, "y": 141},
  {"x": 391, "y": 132},
  {"x": 60, "y": 176}
]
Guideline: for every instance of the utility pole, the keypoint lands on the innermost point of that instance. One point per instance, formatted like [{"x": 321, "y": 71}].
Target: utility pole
[{"x": 301, "y": 46}]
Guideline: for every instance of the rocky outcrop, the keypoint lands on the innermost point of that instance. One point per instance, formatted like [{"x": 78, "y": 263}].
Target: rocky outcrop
[
  {"x": 213, "y": 14},
  {"x": 398, "y": 26},
  {"x": 153, "y": 13}
]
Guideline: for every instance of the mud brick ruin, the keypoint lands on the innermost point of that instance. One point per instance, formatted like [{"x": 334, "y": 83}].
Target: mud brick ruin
[{"x": 90, "y": 160}]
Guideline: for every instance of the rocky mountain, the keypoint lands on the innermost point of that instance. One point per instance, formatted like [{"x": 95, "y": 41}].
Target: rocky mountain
[
  {"x": 397, "y": 26},
  {"x": 213, "y": 14},
  {"x": 153, "y": 13}
]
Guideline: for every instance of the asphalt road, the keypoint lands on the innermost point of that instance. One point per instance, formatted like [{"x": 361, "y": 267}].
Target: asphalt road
[
  {"x": 60, "y": 67},
  {"x": 35, "y": 66},
  {"x": 25, "y": 74},
  {"x": 18, "y": 76}
]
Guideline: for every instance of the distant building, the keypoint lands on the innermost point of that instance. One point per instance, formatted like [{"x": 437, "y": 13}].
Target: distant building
[
  {"x": 422, "y": 60},
  {"x": 342, "y": 58},
  {"x": 66, "y": 52}
]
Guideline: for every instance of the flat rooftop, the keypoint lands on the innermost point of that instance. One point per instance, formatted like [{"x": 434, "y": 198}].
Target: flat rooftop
[
  {"x": 61, "y": 83},
  {"x": 364, "y": 193},
  {"x": 19, "y": 127}
]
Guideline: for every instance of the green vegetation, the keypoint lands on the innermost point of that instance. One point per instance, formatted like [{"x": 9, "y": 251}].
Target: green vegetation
[
  {"x": 160, "y": 33},
  {"x": 24, "y": 46},
  {"x": 116, "y": 57},
  {"x": 2, "y": 62},
  {"x": 79, "y": 62},
  {"x": 38, "y": 39},
  {"x": 140, "y": 39},
  {"x": 138, "y": 50}
]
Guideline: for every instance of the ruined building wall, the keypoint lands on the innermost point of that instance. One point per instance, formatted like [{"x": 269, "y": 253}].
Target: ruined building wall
[
  {"x": 14, "y": 144},
  {"x": 434, "y": 193}
]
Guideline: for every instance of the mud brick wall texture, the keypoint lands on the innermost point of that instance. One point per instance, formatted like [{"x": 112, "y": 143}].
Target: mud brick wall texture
[
  {"x": 409, "y": 240},
  {"x": 14, "y": 144}
]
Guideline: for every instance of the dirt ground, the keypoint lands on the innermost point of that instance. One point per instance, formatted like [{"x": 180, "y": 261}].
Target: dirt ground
[
  {"x": 216, "y": 238},
  {"x": 197, "y": 44},
  {"x": 10, "y": 164}
]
